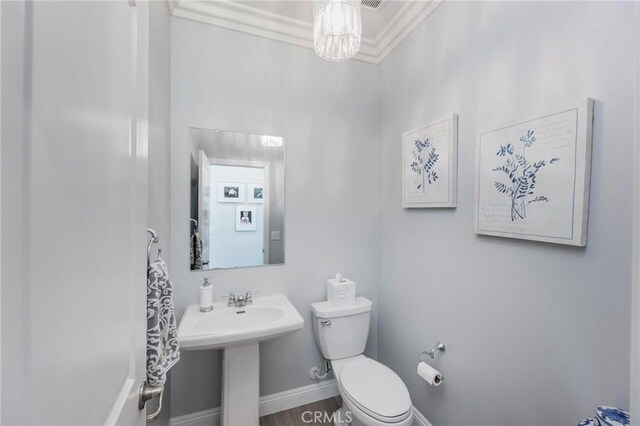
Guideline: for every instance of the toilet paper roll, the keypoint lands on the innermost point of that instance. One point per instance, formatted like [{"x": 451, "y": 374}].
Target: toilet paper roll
[{"x": 430, "y": 374}]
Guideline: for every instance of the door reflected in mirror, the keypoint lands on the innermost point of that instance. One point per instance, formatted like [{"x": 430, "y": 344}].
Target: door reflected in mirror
[{"x": 237, "y": 200}]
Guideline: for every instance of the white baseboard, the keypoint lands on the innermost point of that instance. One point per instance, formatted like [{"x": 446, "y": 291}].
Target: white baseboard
[
  {"x": 277, "y": 402},
  {"x": 209, "y": 417},
  {"x": 281, "y": 401},
  {"x": 419, "y": 419},
  {"x": 269, "y": 404}
]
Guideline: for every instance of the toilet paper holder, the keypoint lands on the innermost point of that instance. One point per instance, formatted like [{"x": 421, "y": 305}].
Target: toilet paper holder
[{"x": 440, "y": 346}]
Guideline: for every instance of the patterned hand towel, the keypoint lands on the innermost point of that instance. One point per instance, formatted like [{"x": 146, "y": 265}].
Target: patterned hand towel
[
  {"x": 196, "y": 251},
  {"x": 162, "y": 333}
]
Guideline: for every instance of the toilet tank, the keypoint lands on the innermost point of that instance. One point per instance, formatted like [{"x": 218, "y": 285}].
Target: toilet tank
[{"x": 341, "y": 331}]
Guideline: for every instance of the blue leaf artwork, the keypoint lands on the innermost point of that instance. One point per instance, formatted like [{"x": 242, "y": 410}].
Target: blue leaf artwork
[
  {"x": 425, "y": 158},
  {"x": 521, "y": 175}
]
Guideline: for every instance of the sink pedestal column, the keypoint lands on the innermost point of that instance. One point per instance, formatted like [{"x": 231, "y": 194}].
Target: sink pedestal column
[{"x": 241, "y": 385}]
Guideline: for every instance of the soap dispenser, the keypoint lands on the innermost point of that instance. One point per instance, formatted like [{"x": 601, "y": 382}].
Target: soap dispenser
[{"x": 206, "y": 296}]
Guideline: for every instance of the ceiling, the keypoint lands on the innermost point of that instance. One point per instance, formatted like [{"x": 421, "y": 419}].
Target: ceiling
[{"x": 291, "y": 21}]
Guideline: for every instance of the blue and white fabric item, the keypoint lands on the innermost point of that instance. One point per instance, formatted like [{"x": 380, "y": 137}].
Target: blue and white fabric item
[
  {"x": 608, "y": 416},
  {"x": 162, "y": 333},
  {"x": 612, "y": 416}
]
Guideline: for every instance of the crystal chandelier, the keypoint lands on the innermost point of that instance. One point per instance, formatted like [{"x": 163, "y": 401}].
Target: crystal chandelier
[{"x": 336, "y": 28}]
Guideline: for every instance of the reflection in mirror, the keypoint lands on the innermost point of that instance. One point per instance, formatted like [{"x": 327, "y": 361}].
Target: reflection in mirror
[{"x": 237, "y": 199}]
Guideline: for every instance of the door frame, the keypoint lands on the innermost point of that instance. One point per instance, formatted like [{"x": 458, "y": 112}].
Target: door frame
[{"x": 127, "y": 399}]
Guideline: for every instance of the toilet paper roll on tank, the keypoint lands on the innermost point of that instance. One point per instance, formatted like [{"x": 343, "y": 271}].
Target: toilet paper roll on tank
[{"x": 341, "y": 291}]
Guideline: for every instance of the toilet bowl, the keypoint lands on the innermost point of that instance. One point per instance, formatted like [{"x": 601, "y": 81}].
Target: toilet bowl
[{"x": 372, "y": 393}]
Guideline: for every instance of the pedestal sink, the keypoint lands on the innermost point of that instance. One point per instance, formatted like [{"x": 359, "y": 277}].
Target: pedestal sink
[{"x": 238, "y": 331}]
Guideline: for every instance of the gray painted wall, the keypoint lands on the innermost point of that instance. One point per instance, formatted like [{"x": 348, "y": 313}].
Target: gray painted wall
[
  {"x": 327, "y": 114},
  {"x": 536, "y": 333}
]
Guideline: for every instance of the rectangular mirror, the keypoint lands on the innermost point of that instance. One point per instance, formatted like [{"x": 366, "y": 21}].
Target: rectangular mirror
[{"x": 237, "y": 200}]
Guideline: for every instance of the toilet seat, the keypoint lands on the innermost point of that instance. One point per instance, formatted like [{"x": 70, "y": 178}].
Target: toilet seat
[{"x": 376, "y": 390}]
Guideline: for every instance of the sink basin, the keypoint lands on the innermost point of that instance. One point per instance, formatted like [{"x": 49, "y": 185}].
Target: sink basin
[{"x": 266, "y": 318}]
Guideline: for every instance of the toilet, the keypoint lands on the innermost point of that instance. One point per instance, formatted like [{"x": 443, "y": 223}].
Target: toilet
[{"x": 372, "y": 393}]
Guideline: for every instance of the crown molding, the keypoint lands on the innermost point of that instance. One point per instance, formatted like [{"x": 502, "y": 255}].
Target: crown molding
[
  {"x": 250, "y": 20},
  {"x": 399, "y": 28}
]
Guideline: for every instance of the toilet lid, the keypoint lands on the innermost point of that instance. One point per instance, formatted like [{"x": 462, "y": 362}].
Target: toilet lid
[{"x": 375, "y": 388}]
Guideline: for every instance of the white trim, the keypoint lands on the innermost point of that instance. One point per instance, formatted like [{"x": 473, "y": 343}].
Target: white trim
[
  {"x": 200, "y": 418},
  {"x": 269, "y": 404},
  {"x": 281, "y": 401},
  {"x": 240, "y": 17},
  {"x": 419, "y": 419},
  {"x": 399, "y": 28}
]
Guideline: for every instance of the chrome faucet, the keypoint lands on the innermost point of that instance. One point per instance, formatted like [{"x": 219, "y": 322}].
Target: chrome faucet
[
  {"x": 232, "y": 299},
  {"x": 239, "y": 301}
]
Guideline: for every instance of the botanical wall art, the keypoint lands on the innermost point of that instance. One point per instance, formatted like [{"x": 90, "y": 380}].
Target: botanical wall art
[
  {"x": 429, "y": 165},
  {"x": 532, "y": 177}
]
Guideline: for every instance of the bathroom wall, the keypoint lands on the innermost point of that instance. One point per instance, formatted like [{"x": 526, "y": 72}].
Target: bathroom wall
[
  {"x": 159, "y": 166},
  {"x": 536, "y": 333},
  {"x": 327, "y": 114}
]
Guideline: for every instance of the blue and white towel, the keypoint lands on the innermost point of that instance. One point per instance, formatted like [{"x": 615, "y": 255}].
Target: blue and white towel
[{"x": 162, "y": 333}]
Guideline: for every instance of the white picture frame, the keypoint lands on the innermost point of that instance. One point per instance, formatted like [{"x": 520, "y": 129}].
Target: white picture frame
[
  {"x": 255, "y": 193},
  {"x": 533, "y": 177},
  {"x": 246, "y": 217},
  {"x": 430, "y": 165},
  {"x": 230, "y": 192}
]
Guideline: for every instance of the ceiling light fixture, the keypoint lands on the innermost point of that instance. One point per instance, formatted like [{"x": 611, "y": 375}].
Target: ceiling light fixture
[{"x": 337, "y": 27}]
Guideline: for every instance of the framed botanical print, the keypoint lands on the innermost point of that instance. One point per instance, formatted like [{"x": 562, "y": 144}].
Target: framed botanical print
[
  {"x": 533, "y": 176},
  {"x": 429, "y": 165}
]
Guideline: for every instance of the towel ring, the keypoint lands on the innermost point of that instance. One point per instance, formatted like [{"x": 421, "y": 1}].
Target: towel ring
[{"x": 153, "y": 240}]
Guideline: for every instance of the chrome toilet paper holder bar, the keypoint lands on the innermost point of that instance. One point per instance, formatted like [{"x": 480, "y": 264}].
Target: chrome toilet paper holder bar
[{"x": 440, "y": 346}]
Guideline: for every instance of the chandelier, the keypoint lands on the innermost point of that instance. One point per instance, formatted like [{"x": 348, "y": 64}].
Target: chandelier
[{"x": 337, "y": 26}]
